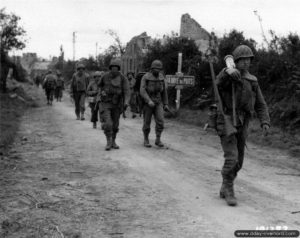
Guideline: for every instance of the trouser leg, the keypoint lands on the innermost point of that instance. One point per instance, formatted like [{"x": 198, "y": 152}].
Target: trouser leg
[
  {"x": 94, "y": 112},
  {"x": 82, "y": 102},
  {"x": 116, "y": 121},
  {"x": 159, "y": 119},
  {"x": 229, "y": 173},
  {"x": 148, "y": 111},
  {"x": 77, "y": 103}
]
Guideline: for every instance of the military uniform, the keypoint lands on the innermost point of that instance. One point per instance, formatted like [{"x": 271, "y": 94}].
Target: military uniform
[
  {"x": 154, "y": 90},
  {"x": 49, "y": 86},
  {"x": 78, "y": 89},
  {"x": 92, "y": 92},
  {"x": 60, "y": 86},
  {"x": 114, "y": 93},
  {"x": 249, "y": 99}
]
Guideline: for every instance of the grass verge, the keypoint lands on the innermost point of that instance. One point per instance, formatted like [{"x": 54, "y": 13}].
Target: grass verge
[{"x": 13, "y": 104}]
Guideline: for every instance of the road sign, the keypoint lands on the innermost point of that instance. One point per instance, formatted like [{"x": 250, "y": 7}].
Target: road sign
[{"x": 174, "y": 80}]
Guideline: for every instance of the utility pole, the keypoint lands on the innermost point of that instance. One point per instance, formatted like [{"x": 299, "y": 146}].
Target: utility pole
[
  {"x": 74, "y": 41},
  {"x": 261, "y": 27},
  {"x": 96, "y": 51}
]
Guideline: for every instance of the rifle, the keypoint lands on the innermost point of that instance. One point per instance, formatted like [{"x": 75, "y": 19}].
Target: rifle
[{"x": 228, "y": 127}]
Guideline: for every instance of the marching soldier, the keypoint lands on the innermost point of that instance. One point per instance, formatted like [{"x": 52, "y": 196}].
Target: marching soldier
[
  {"x": 60, "y": 86},
  {"x": 133, "y": 94},
  {"x": 79, "y": 83},
  {"x": 249, "y": 99},
  {"x": 92, "y": 91},
  {"x": 114, "y": 94},
  {"x": 154, "y": 92},
  {"x": 49, "y": 85}
]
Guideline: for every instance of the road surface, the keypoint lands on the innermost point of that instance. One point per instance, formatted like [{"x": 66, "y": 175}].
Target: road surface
[{"x": 58, "y": 181}]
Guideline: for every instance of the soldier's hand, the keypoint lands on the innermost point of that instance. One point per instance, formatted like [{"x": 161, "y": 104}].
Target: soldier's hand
[
  {"x": 265, "y": 129},
  {"x": 233, "y": 73},
  {"x": 151, "y": 104}
]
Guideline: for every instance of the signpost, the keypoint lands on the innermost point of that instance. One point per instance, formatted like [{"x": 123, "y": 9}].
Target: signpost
[{"x": 180, "y": 81}]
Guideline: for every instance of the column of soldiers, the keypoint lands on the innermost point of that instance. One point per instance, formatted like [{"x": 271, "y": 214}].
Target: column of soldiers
[
  {"x": 53, "y": 85},
  {"x": 112, "y": 93}
]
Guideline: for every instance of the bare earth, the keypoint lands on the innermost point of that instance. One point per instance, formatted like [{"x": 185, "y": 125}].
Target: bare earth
[{"x": 58, "y": 181}]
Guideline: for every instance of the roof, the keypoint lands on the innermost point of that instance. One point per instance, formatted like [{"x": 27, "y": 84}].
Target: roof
[{"x": 41, "y": 65}]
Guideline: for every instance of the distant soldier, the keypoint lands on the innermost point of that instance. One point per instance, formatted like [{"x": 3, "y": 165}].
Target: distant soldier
[
  {"x": 249, "y": 99},
  {"x": 92, "y": 91},
  {"x": 60, "y": 86},
  {"x": 37, "y": 80},
  {"x": 49, "y": 85},
  {"x": 78, "y": 87},
  {"x": 115, "y": 94},
  {"x": 154, "y": 92},
  {"x": 133, "y": 94}
]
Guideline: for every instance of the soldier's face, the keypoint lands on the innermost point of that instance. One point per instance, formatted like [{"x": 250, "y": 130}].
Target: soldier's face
[
  {"x": 80, "y": 71},
  {"x": 243, "y": 64},
  {"x": 155, "y": 72},
  {"x": 114, "y": 69}
]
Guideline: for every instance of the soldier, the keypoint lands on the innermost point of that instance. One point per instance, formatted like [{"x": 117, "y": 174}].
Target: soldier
[
  {"x": 60, "y": 86},
  {"x": 37, "y": 80},
  {"x": 249, "y": 99},
  {"x": 115, "y": 94},
  {"x": 154, "y": 92},
  {"x": 79, "y": 83},
  {"x": 49, "y": 85},
  {"x": 92, "y": 91},
  {"x": 133, "y": 94}
]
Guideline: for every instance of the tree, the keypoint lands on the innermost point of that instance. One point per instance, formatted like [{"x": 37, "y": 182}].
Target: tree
[
  {"x": 11, "y": 33},
  {"x": 230, "y": 41},
  {"x": 10, "y": 38},
  {"x": 118, "y": 44}
]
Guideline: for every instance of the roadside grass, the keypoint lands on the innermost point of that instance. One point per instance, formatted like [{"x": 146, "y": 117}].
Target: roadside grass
[
  {"x": 277, "y": 138},
  {"x": 11, "y": 110}
]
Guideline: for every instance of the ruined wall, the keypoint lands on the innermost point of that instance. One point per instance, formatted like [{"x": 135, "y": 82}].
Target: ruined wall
[
  {"x": 132, "y": 60},
  {"x": 192, "y": 29}
]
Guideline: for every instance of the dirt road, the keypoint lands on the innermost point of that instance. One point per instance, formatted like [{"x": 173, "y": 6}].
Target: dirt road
[{"x": 58, "y": 181}]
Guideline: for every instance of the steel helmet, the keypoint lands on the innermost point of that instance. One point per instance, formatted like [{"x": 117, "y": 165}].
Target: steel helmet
[
  {"x": 130, "y": 72},
  {"x": 115, "y": 62},
  {"x": 242, "y": 51},
  {"x": 98, "y": 74},
  {"x": 80, "y": 65},
  {"x": 156, "y": 64}
]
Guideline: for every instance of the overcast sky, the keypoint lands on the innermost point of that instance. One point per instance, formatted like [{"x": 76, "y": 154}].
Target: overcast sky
[{"x": 50, "y": 23}]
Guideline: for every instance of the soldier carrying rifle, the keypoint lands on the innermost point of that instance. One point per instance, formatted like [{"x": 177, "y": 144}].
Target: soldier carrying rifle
[{"x": 240, "y": 97}]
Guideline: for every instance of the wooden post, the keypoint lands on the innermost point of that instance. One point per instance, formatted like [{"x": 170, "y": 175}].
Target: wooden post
[{"x": 179, "y": 74}]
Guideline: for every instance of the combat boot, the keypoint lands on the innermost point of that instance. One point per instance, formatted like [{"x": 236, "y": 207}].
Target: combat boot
[
  {"x": 82, "y": 117},
  {"x": 114, "y": 144},
  {"x": 94, "y": 125},
  {"x": 229, "y": 195},
  {"x": 77, "y": 117},
  {"x": 158, "y": 141},
  {"x": 109, "y": 143},
  {"x": 146, "y": 140}
]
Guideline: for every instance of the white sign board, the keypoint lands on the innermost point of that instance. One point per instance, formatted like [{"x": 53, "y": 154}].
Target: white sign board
[{"x": 174, "y": 80}]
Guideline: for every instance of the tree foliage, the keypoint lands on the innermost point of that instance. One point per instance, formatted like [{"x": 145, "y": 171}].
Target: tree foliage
[
  {"x": 118, "y": 46},
  {"x": 11, "y": 33}
]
